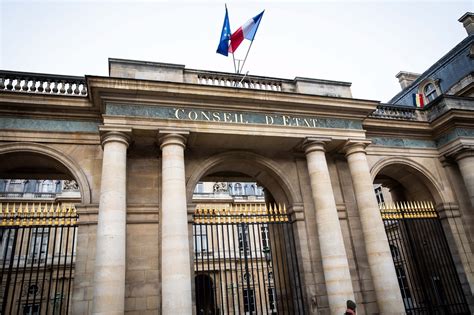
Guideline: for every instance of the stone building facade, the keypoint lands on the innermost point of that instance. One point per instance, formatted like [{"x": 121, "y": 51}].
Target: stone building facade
[{"x": 139, "y": 141}]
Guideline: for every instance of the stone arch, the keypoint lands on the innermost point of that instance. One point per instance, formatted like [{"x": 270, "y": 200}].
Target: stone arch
[
  {"x": 416, "y": 170},
  {"x": 74, "y": 169},
  {"x": 260, "y": 168}
]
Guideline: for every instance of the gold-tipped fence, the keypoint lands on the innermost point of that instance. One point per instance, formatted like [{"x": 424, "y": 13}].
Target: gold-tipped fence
[
  {"x": 408, "y": 210},
  {"x": 240, "y": 213},
  {"x": 37, "y": 214}
]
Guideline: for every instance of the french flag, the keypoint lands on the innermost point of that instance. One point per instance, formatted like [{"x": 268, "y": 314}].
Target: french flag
[
  {"x": 246, "y": 31},
  {"x": 418, "y": 100}
]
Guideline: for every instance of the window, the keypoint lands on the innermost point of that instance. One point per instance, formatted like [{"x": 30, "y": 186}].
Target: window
[
  {"x": 439, "y": 289},
  {"x": 48, "y": 186},
  {"x": 404, "y": 288},
  {"x": 249, "y": 301},
  {"x": 200, "y": 238},
  {"x": 199, "y": 188},
  {"x": 31, "y": 309},
  {"x": 272, "y": 300},
  {"x": 237, "y": 189},
  {"x": 430, "y": 92},
  {"x": 16, "y": 185},
  {"x": 7, "y": 238},
  {"x": 249, "y": 190},
  {"x": 379, "y": 195},
  {"x": 244, "y": 240},
  {"x": 265, "y": 240},
  {"x": 39, "y": 243}
]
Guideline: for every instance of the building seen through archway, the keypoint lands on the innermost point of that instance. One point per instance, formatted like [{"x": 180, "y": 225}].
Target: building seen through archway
[
  {"x": 424, "y": 263},
  {"x": 164, "y": 189},
  {"x": 242, "y": 246},
  {"x": 37, "y": 234}
]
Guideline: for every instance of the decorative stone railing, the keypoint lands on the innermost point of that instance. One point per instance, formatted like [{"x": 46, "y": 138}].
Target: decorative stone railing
[
  {"x": 397, "y": 112},
  {"x": 240, "y": 81},
  {"x": 27, "y": 195},
  {"x": 24, "y": 82}
]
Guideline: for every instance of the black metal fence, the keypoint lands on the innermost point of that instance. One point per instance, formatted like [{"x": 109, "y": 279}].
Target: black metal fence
[
  {"x": 37, "y": 255},
  {"x": 426, "y": 272},
  {"x": 245, "y": 261}
]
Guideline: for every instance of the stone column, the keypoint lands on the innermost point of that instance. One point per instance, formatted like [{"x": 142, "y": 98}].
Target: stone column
[
  {"x": 175, "y": 257},
  {"x": 334, "y": 257},
  {"x": 385, "y": 281},
  {"x": 465, "y": 162},
  {"x": 109, "y": 269}
]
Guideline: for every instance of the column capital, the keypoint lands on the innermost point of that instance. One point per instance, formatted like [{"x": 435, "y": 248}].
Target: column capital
[
  {"x": 354, "y": 145},
  {"x": 457, "y": 148},
  {"x": 115, "y": 134},
  {"x": 467, "y": 152},
  {"x": 315, "y": 144},
  {"x": 166, "y": 137}
]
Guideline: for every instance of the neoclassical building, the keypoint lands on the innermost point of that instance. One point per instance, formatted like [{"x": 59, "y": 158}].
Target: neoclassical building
[{"x": 315, "y": 197}]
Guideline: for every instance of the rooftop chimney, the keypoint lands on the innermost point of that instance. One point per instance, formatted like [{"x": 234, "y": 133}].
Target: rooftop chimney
[
  {"x": 406, "y": 78},
  {"x": 467, "y": 21}
]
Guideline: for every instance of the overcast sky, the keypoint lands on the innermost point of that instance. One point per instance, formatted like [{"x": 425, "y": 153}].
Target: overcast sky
[{"x": 365, "y": 43}]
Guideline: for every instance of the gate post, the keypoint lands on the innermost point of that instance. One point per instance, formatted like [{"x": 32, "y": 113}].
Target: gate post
[
  {"x": 334, "y": 257},
  {"x": 109, "y": 269},
  {"x": 175, "y": 260},
  {"x": 383, "y": 273}
]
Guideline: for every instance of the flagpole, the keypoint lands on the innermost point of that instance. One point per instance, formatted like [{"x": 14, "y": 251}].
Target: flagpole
[
  {"x": 246, "y": 55},
  {"x": 235, "y": 68}
]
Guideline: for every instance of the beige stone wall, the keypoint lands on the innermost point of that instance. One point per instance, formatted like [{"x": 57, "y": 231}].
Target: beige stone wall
[
  {"x": 142, "y": 288},
  {"x": 84, "y": 270}
]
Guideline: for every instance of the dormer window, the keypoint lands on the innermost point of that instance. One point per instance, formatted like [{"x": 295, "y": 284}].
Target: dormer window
[{"x": 430, "y": 92}]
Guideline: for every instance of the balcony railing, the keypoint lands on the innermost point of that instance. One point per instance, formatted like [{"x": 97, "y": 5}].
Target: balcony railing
[
  {"x": 239, "y": 81},
  {"x": 397, "y": 112},
  {"x": 27, "y": 195},
  {"x": 36, "y": 83},
  {"x": 226, "y": 195}
]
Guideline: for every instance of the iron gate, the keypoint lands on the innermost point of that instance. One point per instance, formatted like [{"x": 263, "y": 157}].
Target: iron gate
[
  {"x": 426, "y": 273},
  {"x": 245, "y": 260},
  {"x": 36, "y": 257}
]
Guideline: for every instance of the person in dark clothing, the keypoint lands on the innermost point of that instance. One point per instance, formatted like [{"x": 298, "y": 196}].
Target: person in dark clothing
[{"x": 351, "y": 308}]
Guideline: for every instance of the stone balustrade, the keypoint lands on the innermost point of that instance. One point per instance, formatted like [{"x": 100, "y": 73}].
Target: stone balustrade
[
  {"x": 239, "y": 81},
  {"x": 398, "y": 112},
  {"x": 24, "y": 82}
]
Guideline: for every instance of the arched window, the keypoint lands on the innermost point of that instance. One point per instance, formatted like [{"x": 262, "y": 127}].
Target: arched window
[
  {"x": 248, "y": 190},
  {"x": 16, "y": 185},
  {"x": 237, "y": 189},
  {"x": 47, "y": 186},
  {"x": 430, "y": 92},
  {"x": 252, "y": 190}
]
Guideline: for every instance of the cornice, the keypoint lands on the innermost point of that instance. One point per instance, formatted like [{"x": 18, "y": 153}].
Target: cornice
[
  {"x": 104, "y": 89},
  {"x": 46, "y": 106}
]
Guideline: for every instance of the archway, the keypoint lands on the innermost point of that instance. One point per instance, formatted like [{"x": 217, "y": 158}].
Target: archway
[
  {"x": 242, "y": 231},
  {"x": 407, "y": 194},
  {"x": 38, "y": 226},
  {"x": 35, "y": 160}
]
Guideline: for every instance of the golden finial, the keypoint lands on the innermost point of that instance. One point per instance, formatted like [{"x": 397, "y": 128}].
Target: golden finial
[{"x": 271, "y": 212}]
